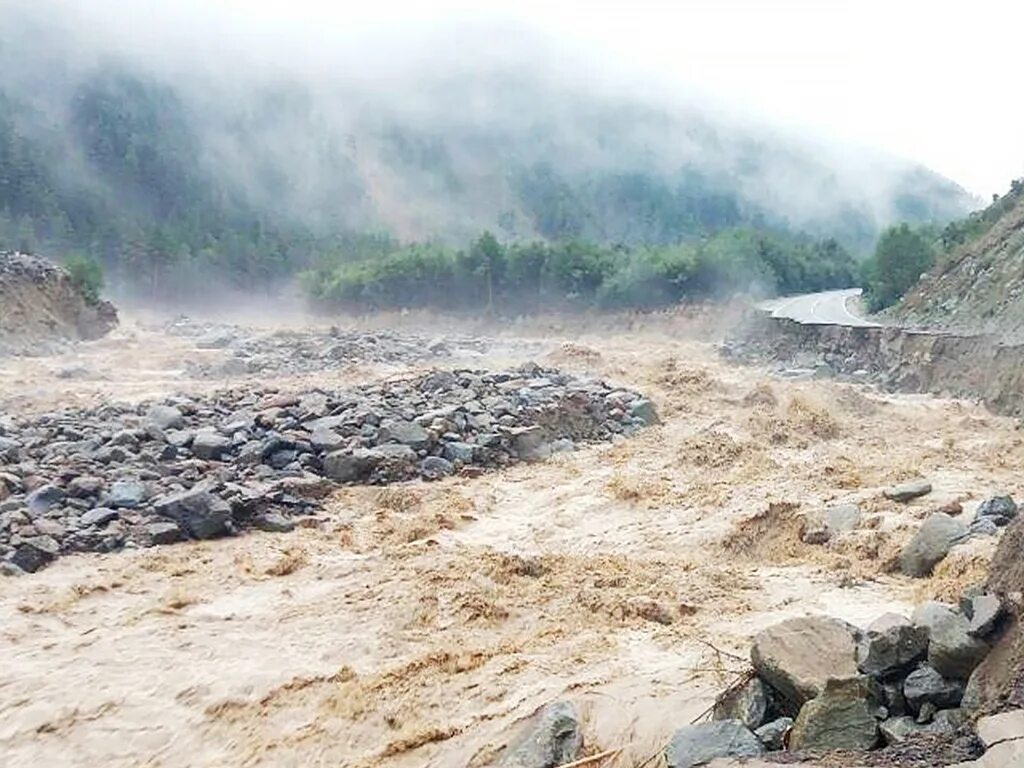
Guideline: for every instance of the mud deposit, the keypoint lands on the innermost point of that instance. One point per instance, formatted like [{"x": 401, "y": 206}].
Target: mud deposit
[{"x": 419, "y": 624}]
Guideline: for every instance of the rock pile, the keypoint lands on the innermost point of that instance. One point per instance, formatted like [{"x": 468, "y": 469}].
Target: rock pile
[
  {"x": 120, "y": 475},
  {"x": 822, "y": 684},
  {"x": 312, "y": 350},
  {"x": 40, "y": 307}
]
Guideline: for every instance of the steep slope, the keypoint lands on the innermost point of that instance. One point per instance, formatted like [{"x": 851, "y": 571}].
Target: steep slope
[{"x": 977, "y": 286}]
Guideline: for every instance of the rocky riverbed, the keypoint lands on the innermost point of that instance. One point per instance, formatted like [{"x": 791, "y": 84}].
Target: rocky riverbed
[{"x": 187, "y": 467}]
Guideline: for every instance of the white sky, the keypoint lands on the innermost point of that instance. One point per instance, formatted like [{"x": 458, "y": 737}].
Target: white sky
[{"x": 935, "y": 82}]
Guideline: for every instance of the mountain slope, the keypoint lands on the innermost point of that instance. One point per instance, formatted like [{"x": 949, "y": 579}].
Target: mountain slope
[
  {"x": 977, "y": 285},
  {"x": 154, "y": 169}
]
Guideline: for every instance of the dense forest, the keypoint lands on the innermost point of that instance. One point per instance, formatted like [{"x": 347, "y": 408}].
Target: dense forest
[{"x": 171, "y": 185}]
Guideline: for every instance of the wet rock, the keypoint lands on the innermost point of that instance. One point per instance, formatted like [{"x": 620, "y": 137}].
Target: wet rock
[
  {"x": 434, "y": 468},
  {"x": 272, "y": 522},
  {"x": 201, "y": 514},
  {"x": 350, "y": 466},
  {"x": 952, "y": 651},
  {"x": 985, "y": 613},
  {"x": 164, "y": 533},
  {"x": 925, "y": 684},
  {"x": 699, "y": 744},
  {"x": 35, "y": 552},
  {"x": 822, "y": 525},
  {"x": 644, "y": 410},
  {"x": 909, "y": 491},
  {"x": 797, "y": 656},
  {"x": 773, "y": 734},
  {"x": 748, "y": 704},
  {"x": 999, "y": 510},
  {"x": 931, "y": 544},
  {"x": 842, "y": 717},
  {"x": 890, "y": 643},
  {"x": 552, "y": 739}
]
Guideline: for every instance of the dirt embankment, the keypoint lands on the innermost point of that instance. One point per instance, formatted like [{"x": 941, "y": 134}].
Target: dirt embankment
[
  {"x": 974, "y": 367},
  {"x": 39, "y": 304}
]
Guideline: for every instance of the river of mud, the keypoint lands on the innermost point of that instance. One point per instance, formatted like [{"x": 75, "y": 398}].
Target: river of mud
[{"x": 417, "y": 624}]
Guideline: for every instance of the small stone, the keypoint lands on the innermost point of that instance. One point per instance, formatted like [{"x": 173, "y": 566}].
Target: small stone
[
  {"x": 405, "y": 432},
  {"x": 459, "y": 451},
  {"x": 85, "y": 487},
  {"x": 926, "y": 713},
  {"x": 35, "y": 552},
  {"x": 773, "y": 734},
  {"x": 210, "y": 446},
  {"x": 98, "y": 517},
  {"x": 699, "y": 744},
  {"x": 908, "y": 491}
]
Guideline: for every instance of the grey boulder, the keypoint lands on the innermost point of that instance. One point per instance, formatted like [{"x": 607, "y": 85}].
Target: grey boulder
[
  {"x": 926, "y": 685},
  {"x": 908, "y": 491},
  {"x": 748, "y": 704},
  {"x": 952, "y": 651},
  {"x": 931, "y": 544},
  {"x": 552, "y": 739},
  {"x": 694, "y": 745},
  {"x": 890, "y": 643},
  {"x": 210, "y": 446},
  {"x": 999, "y": 509},
  {"x": 842, "y": 717},
  {"x": 201, "y": 514}
]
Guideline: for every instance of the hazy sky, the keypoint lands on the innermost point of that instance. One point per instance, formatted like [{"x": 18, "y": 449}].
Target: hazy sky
[{"x": 931, "y": 81}]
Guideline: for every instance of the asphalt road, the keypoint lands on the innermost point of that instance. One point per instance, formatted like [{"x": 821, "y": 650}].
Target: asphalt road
[{"x": 826, "y": 308}]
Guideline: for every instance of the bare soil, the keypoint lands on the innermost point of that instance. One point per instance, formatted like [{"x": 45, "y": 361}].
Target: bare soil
[{"x": 419, "y": 624}]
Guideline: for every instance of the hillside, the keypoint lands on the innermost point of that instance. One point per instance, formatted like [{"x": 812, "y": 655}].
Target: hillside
[
  {"x": 167, "y": 173},
  {"x": 977, "y": 285}
]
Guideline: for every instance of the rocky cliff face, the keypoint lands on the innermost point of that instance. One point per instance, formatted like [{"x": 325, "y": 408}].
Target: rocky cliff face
[
  {"x": 39, "y": 304},
  {"x": 978, "y": 287}
]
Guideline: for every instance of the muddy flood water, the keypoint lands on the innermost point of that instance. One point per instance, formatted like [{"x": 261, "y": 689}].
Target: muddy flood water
[{"x": 418, "y": 624}]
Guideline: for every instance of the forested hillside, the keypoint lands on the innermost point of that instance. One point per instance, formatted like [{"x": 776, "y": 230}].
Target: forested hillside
[{"x": 168, "y": 181}]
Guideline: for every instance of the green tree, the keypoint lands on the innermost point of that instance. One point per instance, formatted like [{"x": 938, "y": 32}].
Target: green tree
[{"x": 901, "y": 257}]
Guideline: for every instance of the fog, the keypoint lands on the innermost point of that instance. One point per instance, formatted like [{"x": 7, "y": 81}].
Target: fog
[{"x": 418, "y": 124}]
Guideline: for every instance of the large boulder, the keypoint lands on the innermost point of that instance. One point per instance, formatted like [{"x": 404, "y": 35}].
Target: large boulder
[
  {"x": 890, "y": 643},
  {"x": 842, "y": 717},
  {"x": 931, "y": 544},
  {"x": 999, "y": 509},
  {"x": 748, "y": 704},
  {"x": 201, "y": 514},
  {"x": 551, "y": 739},
  {"x": 797, "y": 656},
  {"x": 699, "y": 744},
  {"x": 952, "y": 651},
  {"x": 926, "y": 685}
]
